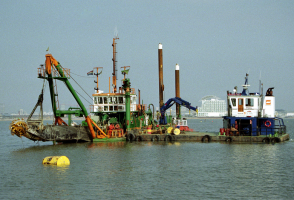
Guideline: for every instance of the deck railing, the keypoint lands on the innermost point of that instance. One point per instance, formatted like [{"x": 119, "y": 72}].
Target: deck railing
[
  {"x": 55, "y": 73},
  {"x": 278, "y": 130}
]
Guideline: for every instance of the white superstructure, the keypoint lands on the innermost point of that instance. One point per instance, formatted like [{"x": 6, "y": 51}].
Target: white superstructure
[{"x": 247, "y": 104}]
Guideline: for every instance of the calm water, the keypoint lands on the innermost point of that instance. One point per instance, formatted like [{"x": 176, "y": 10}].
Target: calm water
[{"x": 146, "y": 170}]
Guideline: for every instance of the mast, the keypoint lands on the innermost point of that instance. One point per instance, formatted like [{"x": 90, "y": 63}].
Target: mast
[
  {"x": 97, "y": 74},
  {"x": 114, "y": 64}
]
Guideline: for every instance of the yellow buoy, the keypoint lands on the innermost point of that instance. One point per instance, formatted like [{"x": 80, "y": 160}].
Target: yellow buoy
[
  {"x": 177, "y": 131},
  {"x": 170, "y": 130},
  {"x": 56, "y": 160}
]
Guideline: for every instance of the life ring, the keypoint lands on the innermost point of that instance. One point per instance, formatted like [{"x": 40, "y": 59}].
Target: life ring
[{"x": 267, "y": 123}]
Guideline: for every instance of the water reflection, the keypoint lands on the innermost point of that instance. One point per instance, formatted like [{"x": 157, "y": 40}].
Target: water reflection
[
  {"x": 124, "y": 144},
  {"x": 59, "y": 169},
  {"x": 144, "y": 170},
  {"x": 110, "y": 145}
]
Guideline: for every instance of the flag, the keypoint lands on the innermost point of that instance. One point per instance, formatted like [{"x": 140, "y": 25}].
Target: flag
[{"x": 90, "y": 73}]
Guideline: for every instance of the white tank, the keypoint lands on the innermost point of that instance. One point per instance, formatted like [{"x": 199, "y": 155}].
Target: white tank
[{"x": 269, "y": 106}]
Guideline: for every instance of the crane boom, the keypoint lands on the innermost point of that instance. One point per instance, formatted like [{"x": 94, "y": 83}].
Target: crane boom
[
  {"x": 170, "y": 103},
  {"x": 52, "y": 62}
]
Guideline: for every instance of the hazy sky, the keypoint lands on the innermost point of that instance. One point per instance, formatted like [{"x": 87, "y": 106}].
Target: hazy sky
[{"x": 215, "y": 43}]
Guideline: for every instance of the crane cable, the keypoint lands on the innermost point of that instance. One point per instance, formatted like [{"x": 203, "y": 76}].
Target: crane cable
[
  {"x": 80, "y": 75},
  {"x": 79, "y": 86}
]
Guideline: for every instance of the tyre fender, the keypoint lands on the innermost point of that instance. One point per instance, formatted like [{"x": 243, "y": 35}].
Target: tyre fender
[
  {"x": 206, "y": 138},
  {"x": 229, "y": 139},
  {"x": 169, "y": 138},
  {"x": 131, "y": 137},
  {"x": 276, "y": 140},
  {"x": 266, "y": 140},
  {"x": 154, "y": 138},
  {"x": 139, "y": 138}
]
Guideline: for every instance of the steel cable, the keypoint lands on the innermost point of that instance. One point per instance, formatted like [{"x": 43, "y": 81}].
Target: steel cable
[{"x": 79, "y": 86}]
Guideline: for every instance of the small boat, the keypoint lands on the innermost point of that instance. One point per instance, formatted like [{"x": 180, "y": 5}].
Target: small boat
[{"x": 252, "y": 115}]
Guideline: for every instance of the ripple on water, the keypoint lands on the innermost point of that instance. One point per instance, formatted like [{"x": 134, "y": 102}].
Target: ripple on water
[{"x": 147, "y": 170}]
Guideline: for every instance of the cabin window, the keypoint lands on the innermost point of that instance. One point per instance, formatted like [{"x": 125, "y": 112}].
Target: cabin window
[
  {"x": 120, "y": 108},
  {"x": 110, "y": 99},
  {"x": 95, "y": 100},
  {"x": 105, "y": 100},
  {"x": 249, "y": 102},
  {"x": 120, "y": 100},
  {"x": 115, "y": 100},
  {"x": 105, "y": 108},
  {"x": 115, "y": 108},
  {"x": 100, "y": 100},
  {"x": 110, "y": 108},
  {"x": 233, "y": 101}
]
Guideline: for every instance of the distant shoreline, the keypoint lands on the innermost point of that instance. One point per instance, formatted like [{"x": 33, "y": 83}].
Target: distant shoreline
[{"x": 81, "y": 118}]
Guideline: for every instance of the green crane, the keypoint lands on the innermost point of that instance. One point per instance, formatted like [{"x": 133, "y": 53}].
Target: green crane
[{"x": 63, "y": 76}]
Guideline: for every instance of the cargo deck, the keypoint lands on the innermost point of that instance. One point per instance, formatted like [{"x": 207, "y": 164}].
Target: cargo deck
[{"x": 206, "y": 137}]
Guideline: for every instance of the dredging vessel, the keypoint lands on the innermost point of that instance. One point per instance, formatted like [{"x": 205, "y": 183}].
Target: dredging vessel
[
  {"x": 116, "y": 116},
  {"x": 113, "y": 113}
]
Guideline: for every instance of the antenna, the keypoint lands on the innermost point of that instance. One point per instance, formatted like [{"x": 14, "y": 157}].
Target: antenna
[
  {"x": 260, "y": 90},
  {"x": 115, "y": 32}
]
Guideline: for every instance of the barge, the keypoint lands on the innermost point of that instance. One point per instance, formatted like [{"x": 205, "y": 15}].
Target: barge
[
  {"x": 251, "y": 118},
  {"x": 116, "y": 116}
]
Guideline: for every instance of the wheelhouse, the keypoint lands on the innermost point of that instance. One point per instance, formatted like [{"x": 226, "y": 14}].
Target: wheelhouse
[{"x": 113, "y": 102}]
